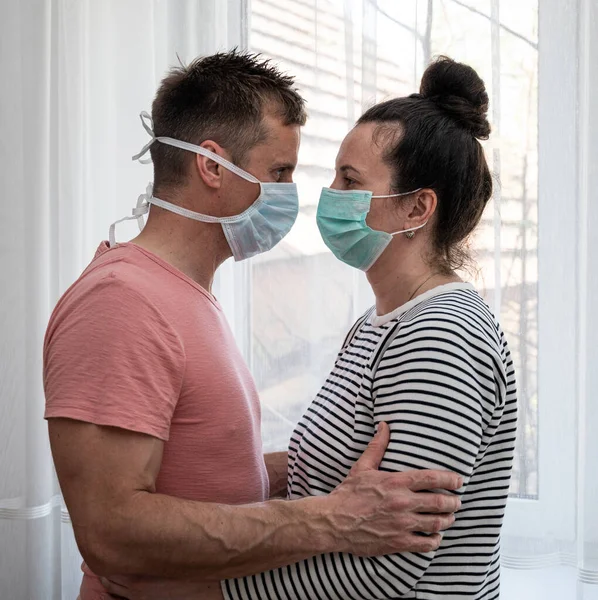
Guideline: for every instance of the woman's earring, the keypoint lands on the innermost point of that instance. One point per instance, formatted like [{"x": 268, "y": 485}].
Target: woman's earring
[{"x": 409, "y": 235}]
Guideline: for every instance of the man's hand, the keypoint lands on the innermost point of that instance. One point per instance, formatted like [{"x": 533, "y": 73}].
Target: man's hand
[{"x": 373, "y": 512}]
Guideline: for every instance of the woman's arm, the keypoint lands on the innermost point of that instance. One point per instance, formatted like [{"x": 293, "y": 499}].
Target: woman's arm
[{"x": 430, "y": 393}]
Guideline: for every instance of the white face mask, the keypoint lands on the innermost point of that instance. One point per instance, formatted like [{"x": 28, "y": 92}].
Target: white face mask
[{"x": 255, "y": 230}]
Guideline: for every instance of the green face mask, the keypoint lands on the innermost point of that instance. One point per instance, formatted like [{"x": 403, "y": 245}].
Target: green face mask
[{"x": 341, "y": 221}]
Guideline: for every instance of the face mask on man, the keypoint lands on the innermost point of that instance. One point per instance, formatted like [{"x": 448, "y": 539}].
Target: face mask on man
[
  {"x": 256, "y": 230},
  {"x": 341, "y": 219}
]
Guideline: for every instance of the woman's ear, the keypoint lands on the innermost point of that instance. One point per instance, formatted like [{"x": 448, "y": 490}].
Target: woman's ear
[{"x": 423, "y": 207}]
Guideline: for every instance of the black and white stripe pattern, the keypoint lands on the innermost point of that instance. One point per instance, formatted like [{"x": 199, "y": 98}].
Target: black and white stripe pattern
[{"x": 439, "y": 371}]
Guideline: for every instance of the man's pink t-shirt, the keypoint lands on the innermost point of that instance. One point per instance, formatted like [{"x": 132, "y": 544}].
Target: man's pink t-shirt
[{"x": 136, "y": 344}]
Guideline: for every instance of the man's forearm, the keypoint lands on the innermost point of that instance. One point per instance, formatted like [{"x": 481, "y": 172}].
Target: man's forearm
[
  {"x": 168, "y": 537},
  {"x": 276, "y": 465},
  {"x": 123, "y": 527}
]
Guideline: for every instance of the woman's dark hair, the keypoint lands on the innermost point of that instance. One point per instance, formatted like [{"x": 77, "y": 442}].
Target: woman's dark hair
[{"x": 431, "y": 141}]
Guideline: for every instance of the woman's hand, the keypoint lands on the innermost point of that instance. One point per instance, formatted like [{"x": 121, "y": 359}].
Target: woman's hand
[{"x": 146, "y": 588}]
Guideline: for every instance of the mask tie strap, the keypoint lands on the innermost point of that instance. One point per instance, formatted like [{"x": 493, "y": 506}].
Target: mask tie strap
[
  {"x": 148, "y": 125},
  {"x": 145, "y": 116},
  {"x": 141, "y": 209},
  {"x": 209, "y": 154}
]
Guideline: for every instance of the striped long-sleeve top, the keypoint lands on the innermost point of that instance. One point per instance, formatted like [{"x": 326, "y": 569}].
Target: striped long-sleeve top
[{"x": 438, "y": 370}]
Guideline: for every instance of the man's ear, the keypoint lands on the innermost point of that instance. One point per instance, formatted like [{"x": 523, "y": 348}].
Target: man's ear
[{"x": 209, "y": 170}]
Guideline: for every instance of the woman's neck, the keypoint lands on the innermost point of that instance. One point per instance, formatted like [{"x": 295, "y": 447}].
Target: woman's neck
[{"x": 395, "y": 282}]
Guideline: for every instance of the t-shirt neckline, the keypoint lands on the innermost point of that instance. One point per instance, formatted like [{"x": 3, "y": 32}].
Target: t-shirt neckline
[{"x": 379, "y": 320}]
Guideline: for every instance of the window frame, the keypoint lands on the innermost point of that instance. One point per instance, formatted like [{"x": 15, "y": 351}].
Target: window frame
[{"x": 551, "y": 514}]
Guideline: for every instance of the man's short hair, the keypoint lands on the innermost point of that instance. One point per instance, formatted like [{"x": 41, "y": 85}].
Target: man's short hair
[{"x": 223, "y": 98}]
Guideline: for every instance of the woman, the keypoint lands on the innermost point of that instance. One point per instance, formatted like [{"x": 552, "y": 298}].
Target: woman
[{"x": 429, "y": 359}]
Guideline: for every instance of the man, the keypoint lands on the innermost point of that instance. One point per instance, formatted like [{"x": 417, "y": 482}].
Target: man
[{"x": 153, "y": 417}]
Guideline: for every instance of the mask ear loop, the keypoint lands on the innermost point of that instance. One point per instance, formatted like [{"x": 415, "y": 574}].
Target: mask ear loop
[
  {"x": 409, "y": 233},
  {"x": 401, "y": 194}
]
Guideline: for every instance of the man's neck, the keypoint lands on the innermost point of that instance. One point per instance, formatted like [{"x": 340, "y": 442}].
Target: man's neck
[{"x": 195, "y": 248}]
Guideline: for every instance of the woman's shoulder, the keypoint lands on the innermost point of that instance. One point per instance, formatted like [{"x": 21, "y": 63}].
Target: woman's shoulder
[
  {"x": 458, "y": 316},
  {"x": 463, "y": 304}
]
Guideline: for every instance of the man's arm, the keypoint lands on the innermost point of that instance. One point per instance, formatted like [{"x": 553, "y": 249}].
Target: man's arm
[
  {"x": 122, "y": 526},
  {"x": 276, "y": 465}
]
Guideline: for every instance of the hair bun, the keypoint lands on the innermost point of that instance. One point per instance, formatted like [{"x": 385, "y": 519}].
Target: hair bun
[{"x": 460, "y": 92}]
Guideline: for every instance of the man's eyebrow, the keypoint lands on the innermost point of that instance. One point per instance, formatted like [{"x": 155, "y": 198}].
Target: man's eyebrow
[
  {"x": 345, "y": 168},
  {"x": 290, "y": 166}
]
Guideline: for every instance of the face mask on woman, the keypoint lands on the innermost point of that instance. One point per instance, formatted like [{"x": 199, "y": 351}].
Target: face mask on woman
[{"x": 341, "y": 220}]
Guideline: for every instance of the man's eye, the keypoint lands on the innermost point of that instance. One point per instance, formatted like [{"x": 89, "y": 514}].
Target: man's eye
[{"x": 349, "y": 182}]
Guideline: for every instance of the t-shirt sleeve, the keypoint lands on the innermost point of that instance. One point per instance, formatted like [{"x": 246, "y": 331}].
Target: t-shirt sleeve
[{"x": 111, "y": 358}]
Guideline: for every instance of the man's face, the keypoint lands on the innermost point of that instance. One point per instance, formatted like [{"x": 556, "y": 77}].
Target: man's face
[{"x": 274, "y": 159}]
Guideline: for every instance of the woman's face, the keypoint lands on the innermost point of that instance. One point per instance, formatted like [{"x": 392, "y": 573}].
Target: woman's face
[{"x": 360, "y": 166}]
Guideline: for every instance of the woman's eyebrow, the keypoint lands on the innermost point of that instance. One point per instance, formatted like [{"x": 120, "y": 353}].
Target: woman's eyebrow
[{"x": 345, "y": 168}]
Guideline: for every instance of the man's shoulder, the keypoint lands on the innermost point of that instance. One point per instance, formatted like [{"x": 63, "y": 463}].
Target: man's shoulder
[
  {"x": 115, "y": 287},
  {"x": 126, "y": 273},
  {"x": 108, "y": 279},
  {"x": 128, "y": 287},
  {"x": 120, "y": 269}
]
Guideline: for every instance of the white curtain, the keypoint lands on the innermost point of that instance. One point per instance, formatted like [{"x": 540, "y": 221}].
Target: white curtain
[{"x": 74, "y": 76}]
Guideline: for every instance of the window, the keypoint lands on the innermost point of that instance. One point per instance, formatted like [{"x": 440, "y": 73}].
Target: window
[{"x": 347, "y": 56}]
